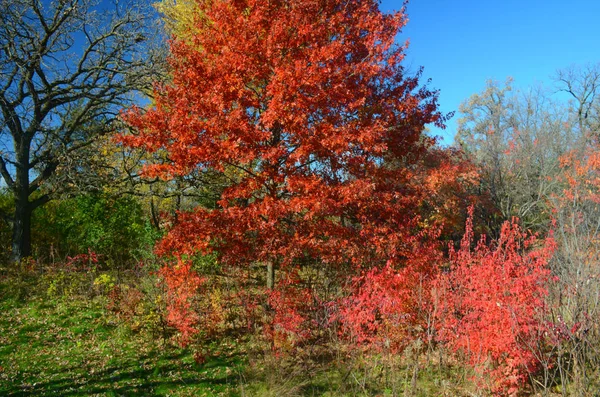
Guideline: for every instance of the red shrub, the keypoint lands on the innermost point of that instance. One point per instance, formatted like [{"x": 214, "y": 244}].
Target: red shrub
[
  {"x": 490, "y": 304},
  {"x": 181, "y": 282}
]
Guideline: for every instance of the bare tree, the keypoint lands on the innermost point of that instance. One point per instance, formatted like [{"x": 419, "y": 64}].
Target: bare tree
[
  {"x": 483, "y": 130},
  {"x": 517, "y": 138},
  {"x": 576, "y": 264},
  {"x": 67, "y": 67},
  {"x": 582, "y": 83}
]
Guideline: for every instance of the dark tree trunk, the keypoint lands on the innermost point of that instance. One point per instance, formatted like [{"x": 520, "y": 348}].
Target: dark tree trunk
[
  {"x": 21, "y": 237},
  {"x": 155, "y": 217}
]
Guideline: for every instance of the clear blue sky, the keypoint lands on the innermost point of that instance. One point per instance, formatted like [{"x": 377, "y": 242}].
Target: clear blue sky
[{"x": 463, "y": 43}]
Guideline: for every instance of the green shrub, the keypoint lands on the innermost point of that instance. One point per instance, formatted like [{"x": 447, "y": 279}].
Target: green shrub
[{"x": 114, "y": 228}]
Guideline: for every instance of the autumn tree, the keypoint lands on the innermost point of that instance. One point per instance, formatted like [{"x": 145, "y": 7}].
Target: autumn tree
[
  {"x": 181, "y": 17},
  {"x": 309, "y": 102},
  {"x": 67, "y": 68}
]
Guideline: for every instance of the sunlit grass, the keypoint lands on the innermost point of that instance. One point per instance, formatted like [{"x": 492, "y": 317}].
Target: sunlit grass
[{"x": 74, "y": 346}]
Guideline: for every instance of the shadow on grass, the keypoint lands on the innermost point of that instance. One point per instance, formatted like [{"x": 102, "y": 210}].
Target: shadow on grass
[{"x": 130, "y": 380}]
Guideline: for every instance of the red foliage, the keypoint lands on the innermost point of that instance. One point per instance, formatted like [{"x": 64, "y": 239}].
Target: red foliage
[
  {"x": 304, "y": 104},
  {"x": 124, "y": 302},
  {"x": 388, "y": 307},
  {"x": 305, "y": 107},
  {"x": 182, "y": 283},
  {"x": 491, "y": 301},
  {"x": 290, "y": 323},
  {"x": 82, "y": 262}
]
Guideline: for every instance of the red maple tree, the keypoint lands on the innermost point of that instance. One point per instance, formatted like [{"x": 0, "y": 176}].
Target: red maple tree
[{"x": 305, "y": 106}]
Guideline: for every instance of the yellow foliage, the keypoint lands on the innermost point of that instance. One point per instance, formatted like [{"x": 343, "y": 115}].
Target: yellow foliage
[
  {"x": 183, "y": 18},
  {"x": 104, "y": 282}
]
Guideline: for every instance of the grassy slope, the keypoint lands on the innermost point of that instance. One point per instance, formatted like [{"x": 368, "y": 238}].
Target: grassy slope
[{"x": 74, "y": 347}]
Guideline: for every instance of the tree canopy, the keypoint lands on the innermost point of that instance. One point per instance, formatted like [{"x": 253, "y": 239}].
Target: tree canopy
[{"x": 310, "y": 103}]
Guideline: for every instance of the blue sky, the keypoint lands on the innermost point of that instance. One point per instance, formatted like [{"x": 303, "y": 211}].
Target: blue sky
[{"x": 463, "y": 43}]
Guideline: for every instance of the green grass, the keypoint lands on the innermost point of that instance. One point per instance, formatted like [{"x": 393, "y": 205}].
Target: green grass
[
  {"x": 70, "y": 344},
  {"x": 74, "y": 346}
]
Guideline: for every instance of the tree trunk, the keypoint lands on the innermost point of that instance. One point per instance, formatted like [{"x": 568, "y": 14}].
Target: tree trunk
[
  {"x": 21, "y": 237},
  {"x": 154, "y": 216},
  {"x": 270, "y": 275}
]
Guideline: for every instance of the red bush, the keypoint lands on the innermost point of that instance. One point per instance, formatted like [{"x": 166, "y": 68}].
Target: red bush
[
  {"x": 181, "y": 282},
  {"x": 491, "y": 301}
]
